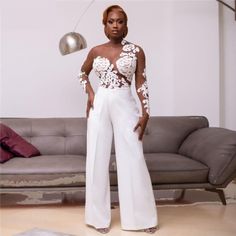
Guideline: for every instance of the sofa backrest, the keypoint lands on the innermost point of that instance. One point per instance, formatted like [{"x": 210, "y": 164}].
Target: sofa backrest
[
  {"x": 53, "y": 136},
  {"x": 166, "y": 133}
]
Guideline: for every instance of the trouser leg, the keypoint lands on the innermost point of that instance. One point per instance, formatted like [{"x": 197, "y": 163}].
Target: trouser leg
[
  {"x": 99, "y": 138},
  {"x": 137, "y": 203}
]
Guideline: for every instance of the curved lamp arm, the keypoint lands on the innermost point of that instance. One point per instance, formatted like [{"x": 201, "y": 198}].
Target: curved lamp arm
[
  {"x": 233, "y": 9},
  {"x": 73, "y": 41}
]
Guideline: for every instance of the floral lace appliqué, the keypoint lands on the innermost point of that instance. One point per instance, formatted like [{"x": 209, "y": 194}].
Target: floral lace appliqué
[
  {"x": 111, "y": 77},
  {"x": 144, "y": 90},
  {"x": 83, "y": 79}
]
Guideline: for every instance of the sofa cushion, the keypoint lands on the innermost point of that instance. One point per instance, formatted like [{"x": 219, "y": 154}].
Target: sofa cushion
[
  {"x": 52, "y": 164},
  {"x": 45, "y": 170},
  {"x": 169, "y": 168},
  {"x": 48, "y": 170},
  {"x": 13, "y": 142},
  {"x": 214, "y": 147},
  {"x": 175, "y": 168},
  {"x": 5, "y": 155}
]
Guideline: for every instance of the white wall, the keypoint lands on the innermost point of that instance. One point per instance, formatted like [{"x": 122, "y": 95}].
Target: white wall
[
  {"x": 180, "y": 39},
  {"x": 228, "y": 66},
  {"x": 196, "y": 59}
]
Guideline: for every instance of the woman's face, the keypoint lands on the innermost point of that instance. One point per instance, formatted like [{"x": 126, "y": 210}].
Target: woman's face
[{"x": 116, "y": 25}]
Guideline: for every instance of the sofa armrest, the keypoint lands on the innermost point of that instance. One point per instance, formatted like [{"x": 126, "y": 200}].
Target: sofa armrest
[{"x": 214, "y": 147}]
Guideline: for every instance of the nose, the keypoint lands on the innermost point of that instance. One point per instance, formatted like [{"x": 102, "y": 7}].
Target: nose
[{"x": 115, "y": 24}]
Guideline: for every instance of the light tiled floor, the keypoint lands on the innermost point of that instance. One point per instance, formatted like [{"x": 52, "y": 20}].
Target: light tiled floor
[
  {"x": 204, "y": 219},
  {"x": 200, "y": 213}
]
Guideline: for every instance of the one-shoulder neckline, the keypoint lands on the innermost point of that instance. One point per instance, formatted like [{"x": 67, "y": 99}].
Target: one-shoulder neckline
[{"x": 113, "y": 62}]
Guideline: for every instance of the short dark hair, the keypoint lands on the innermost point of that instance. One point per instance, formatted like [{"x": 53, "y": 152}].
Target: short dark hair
[{"x": 109, "y": 9}]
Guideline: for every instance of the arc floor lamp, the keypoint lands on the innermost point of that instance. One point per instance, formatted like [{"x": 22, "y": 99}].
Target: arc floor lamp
[{"x": 73, "y": 41}]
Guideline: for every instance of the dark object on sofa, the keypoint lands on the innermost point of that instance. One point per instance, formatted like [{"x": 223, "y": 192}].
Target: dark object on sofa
[
  {"x": 5, "y": 155},
  {"x": 180, "y": 152},
  {"x": 11, "y": 142}
]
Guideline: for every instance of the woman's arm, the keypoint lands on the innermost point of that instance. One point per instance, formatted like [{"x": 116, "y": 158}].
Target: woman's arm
[
  {"x": 141, "y": 83},
  {"x": 84, "y": 72},
  {"x": 142, "y": 92},
  {"x": 84, "y": 79}
]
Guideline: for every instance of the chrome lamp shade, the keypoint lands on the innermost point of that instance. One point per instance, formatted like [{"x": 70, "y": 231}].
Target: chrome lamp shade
[{"x": 72, "y": 42}]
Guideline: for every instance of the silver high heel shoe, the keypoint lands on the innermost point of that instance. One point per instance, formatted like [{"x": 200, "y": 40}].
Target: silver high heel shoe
[
  {"x": 103, "y": 230},
  {"x": 151, "y": 230}
]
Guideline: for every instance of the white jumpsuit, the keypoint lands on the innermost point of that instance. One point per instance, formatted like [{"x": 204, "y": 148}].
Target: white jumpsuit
[{"x": 116, "y": 113}]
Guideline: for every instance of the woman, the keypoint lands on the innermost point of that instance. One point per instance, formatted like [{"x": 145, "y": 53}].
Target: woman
[{"x": 113, "y": 110}]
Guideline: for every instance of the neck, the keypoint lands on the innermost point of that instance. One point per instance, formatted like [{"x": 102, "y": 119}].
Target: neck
[{"x": 115, "y": 41}]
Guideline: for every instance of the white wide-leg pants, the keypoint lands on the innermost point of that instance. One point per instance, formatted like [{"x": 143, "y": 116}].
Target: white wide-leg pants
[{"x": 115, "y": 111}]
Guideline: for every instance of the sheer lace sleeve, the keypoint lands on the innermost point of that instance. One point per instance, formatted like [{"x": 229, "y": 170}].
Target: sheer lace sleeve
[
  {"x": 141, "y": 82},
  {"x": 85, "y": 70}
]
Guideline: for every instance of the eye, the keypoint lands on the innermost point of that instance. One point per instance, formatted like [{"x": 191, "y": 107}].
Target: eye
[
  {"x": 110, "y": 21},
  {"x": 121, "y": 22}
]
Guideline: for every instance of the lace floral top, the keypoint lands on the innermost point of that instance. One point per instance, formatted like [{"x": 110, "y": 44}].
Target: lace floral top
[
  {"x": 121, "y": 73},
  {"x": 117, "y": 74}
]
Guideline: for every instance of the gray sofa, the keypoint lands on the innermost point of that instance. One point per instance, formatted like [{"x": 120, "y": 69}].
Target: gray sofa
[{"x": 181, "y": 152}]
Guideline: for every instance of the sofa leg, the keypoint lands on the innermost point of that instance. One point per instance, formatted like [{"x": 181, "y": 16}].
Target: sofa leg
[
  {"x": 220, "y": 193},
  {"x": 183, "y": 191}
]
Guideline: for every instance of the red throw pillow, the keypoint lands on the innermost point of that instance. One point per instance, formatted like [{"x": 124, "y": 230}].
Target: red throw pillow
[
  {"x": 5, "y": 132},
  {"x": 5, "y": 155},
  {"x": 13, "y": 142}
]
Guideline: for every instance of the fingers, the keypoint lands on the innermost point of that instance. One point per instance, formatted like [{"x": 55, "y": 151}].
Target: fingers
[
  {"x": 87, "y": 113},
  {"x": 143, "y": 127},
  {"x": 136, "y": 126},
  {"x": 91, "y": 105},
  {"x": 140, "y": 137},
  {"x": 141, "y": 132},
  {"x": 88, "y": 109},
  {"x": 142, "y": 124}
]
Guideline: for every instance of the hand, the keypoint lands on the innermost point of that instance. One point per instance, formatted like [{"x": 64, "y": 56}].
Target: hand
[
  {"x": 90, "y": 103},
  {"x": 142, "y": 123}
]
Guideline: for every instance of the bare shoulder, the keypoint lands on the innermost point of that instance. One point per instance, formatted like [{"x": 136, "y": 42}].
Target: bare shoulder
[
  {"x": 96, "y": 50},
  {"x": 141, "y": 53}
]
